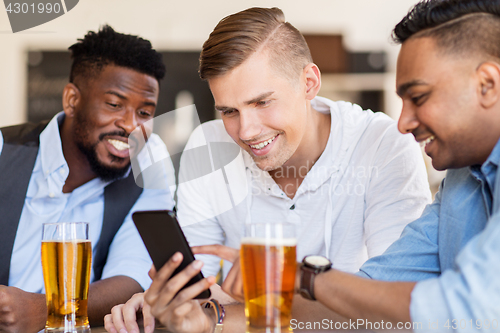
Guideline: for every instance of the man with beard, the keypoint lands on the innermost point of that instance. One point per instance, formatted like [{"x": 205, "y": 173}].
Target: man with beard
[{"x": 77, "y": 167}]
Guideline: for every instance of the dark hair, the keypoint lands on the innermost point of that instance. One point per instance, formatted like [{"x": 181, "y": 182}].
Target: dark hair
[
  {"x": 238, "y": 36},
  {"x": 105, "y": 47},
  {"x": 457, "y": 25}
]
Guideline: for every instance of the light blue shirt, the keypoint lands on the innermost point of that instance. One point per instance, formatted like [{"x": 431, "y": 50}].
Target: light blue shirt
[
  {"x": 46, "y": 203},
  {"x": 453, "y": 249}
]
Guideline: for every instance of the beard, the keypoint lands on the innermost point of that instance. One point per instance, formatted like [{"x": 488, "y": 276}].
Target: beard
[{"x": 104, "y": 172}]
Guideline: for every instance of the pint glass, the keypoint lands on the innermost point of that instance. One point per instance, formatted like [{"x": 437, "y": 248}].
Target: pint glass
[
  {"x": 268, "y": 263},
  {"x": 66, "y": 262}
]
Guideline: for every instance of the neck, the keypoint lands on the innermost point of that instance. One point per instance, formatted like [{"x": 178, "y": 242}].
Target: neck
[
  {"x": 80, "y": 171},
  {"x": 292, "y": 173}
]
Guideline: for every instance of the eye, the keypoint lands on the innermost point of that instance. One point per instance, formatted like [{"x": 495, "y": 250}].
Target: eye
[
  {"x": 262, "y": 103},
  {"x": 113, "y": 105},
  {"x": 145, "y": 113},
  {"x": 226, "y": 112},
  {"x": 419, "y": 99}
]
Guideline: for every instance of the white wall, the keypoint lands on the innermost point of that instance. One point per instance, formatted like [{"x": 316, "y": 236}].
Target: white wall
[{"x": 184, "y": 25}]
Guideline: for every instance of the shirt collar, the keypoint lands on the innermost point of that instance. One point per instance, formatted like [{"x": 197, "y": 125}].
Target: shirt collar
[
  {"x": 51, "y": 153},
  {"x": 487, "y": 171},
  {"x": 494, "y": 157}
]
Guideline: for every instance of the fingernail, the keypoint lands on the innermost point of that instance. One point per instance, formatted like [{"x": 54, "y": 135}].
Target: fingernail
[
  {"x": 148, "y": 329},
  {"x": 177, "y": 257},
  {"x": 197, "y": 264},
  {"x": 122, "y": 330}
]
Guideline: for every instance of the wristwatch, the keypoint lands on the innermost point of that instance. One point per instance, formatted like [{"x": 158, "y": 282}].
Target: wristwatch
[{"x": 310, "y": 267}]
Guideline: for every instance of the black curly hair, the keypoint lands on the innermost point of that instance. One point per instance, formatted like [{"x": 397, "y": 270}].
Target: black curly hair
[
  {"x": 458, "y": 26},
  {"x": 105, "y": 47}
]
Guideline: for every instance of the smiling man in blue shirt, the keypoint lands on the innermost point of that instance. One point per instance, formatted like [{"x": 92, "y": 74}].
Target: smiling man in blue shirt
[
  {"x": 447, "y": 261},
  {"x": 78, "y": 168}
]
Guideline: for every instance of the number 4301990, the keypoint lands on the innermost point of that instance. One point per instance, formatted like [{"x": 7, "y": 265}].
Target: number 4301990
[{"x": 25, "y": 8}]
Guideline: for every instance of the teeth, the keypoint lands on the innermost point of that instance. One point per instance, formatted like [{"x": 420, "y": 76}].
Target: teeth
[
  {"x": 119, "y": 145},
  {"x": 263, "y": 144},
  {"x": 427, "y": 141}
]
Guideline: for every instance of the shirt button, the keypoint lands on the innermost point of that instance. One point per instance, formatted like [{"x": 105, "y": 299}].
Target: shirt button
[
  {"x": 61, "y": 172},
  {"x": 293, "y": 207},
  {"x": 51, "y": 194}
]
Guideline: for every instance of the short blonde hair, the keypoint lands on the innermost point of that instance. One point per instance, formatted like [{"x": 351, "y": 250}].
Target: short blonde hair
[{"x": 238, "y": 36}]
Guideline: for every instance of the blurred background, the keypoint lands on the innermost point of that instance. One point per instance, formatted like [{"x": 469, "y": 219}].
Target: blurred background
[{"x": 349, "y": 40}]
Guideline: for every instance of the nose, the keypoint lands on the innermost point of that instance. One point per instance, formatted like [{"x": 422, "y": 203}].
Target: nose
[
  {"x": 250, "y": 125},
  {"x": 407, "y": 120},
  {"x": 128, "y": 121}
]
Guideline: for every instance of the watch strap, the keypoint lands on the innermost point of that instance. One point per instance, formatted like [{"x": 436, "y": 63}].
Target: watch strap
[{"x": 307, "y": 282}]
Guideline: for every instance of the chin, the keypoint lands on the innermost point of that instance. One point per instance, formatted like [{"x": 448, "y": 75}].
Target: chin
[{"x": 266, "y": 166}]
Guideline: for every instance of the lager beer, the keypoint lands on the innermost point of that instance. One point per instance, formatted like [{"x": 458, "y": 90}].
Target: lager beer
[
  {"x": 66, "y": 271},
  {"x": 268, "y": 267}
]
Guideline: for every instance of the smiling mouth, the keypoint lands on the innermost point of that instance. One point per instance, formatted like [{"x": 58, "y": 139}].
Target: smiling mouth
[
  {"x": 263, "y": 144},
  {"x": 427, "y": 141},
  {"x": 119, "y": 145}
]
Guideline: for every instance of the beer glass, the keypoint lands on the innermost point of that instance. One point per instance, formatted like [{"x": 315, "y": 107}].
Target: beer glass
[
  {"x": 66, "y": 262},
  {"x": 268, "y": 263}
]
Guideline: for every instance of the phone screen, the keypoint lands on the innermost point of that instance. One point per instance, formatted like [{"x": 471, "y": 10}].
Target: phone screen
[{"x": 163, "y": 237}]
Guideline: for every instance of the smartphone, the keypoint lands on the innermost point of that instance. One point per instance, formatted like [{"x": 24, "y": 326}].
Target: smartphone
[{"x": 163, "y": 237}]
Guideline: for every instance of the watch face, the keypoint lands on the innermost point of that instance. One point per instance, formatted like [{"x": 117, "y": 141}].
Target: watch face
[{"x": 317, "y": 261}]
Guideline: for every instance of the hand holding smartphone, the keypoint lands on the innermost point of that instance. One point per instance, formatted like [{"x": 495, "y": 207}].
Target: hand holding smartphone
[{"x": 163, "y": 237}]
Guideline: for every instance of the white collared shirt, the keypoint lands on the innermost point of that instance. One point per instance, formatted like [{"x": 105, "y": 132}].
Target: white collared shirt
[
  {"x": 367, "y": 185},
  {"x": 46, "y": 203}
]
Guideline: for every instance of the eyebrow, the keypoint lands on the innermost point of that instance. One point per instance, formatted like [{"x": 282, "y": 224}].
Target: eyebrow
[
  {"x": 402, "y": 89},
  {"x": 251, "y": 101},
  {"x": 112, "y": 92},
  {"x": 259, "y": 98}
]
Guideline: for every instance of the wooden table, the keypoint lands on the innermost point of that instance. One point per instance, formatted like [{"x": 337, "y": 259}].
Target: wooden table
[{"x": 102, "y": 330}]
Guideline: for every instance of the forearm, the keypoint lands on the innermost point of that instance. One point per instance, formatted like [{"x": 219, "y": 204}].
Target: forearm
[
  {"x": 105, "y": 294},
  {"x": 235, "y": 321},
  {"x": 359, "y": 298},
  {"x": 304, "y": 310}
]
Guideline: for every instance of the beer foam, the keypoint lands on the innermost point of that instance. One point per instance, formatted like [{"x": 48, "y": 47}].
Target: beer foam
[
  {"x": 269, "y": 241},
  {"x": 66, "y": 241}
]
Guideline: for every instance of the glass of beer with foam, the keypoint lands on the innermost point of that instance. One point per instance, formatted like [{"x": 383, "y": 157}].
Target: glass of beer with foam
[
  {"x": 66, "y": 262},
  {"x": 268, "y": 263}
]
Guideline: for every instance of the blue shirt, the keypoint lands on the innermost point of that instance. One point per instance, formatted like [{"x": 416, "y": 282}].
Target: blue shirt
[
  {"x": 453, "y": 249},
  {"x": 45, "y": 202}
]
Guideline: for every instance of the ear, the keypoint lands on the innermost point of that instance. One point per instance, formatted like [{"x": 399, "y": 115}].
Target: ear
[
  {"x": 71, "y": 98},
  {"x": 489, "y": 84},
  {"x": 313, "y": 80}
]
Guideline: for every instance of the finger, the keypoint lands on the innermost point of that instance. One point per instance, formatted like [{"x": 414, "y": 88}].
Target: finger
[
  {"x": 129, "y": 311},
  {"x": 176, "y": 283},
  {"x": 191, "y": 292},
  {"x": 148, "y": 318},
  {"x": 152, "y": 272},
  {"x": 238, "y": 284},
  {"x": 117, "y": 318},
  {"x": 233, "y": 284},
  {"x": 184, "y": 309},
  {"x": 223, "y": 252},
  {"x": 108, "y": 324},
  {"x": 161, "y": 278}
]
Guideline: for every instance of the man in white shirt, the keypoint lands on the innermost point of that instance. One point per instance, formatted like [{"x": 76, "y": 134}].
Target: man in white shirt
[
  {"x": 77, "y": 168},
  {"x": 346, "y": 177}
]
